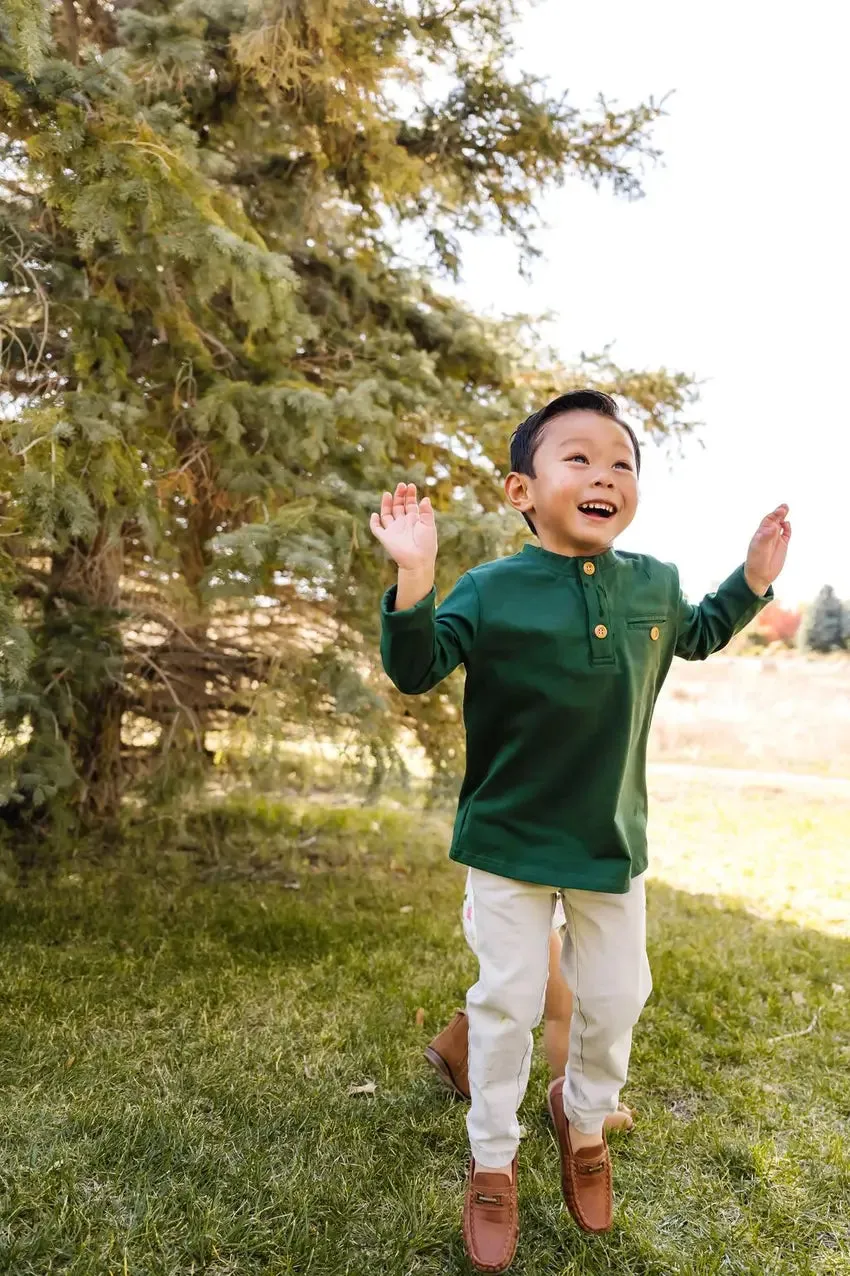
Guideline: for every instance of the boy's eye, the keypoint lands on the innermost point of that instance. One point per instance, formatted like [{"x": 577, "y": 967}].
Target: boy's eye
[
  {"x": 579, "y": 456},
  {"x": 624, "y": 465}
]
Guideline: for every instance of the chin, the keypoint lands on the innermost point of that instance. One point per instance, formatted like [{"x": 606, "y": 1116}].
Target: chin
[
  {"x": 601, "y": 536},
  {"x": 593, "y": 543}
]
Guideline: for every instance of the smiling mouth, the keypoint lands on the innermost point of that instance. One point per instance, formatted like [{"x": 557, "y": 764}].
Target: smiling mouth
[{"x": 598, "y": 509}]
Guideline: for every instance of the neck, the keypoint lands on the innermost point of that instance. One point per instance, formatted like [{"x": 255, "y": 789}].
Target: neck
[{"x": 556, "y": 544}]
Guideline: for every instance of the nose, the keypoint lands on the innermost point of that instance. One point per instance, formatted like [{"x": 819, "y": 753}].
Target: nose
[{"x": 603, "y": 480}]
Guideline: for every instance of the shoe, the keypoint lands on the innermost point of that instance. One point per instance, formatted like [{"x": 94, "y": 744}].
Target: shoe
[
  {"x": 448, "y": 1055},
  {"x": 490, "y": 1219},
  {"x": 586, "y": 1174}
]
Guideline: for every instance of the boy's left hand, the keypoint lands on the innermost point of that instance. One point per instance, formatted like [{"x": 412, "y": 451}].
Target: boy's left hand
[{"x": 766, "y": 555}]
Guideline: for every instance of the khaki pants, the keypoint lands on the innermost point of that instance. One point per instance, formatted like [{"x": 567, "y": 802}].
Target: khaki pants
[{"x": 605, "y": 966}]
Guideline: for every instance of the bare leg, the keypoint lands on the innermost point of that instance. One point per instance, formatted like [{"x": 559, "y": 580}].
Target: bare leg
[{"x": 558, "y": 1012}]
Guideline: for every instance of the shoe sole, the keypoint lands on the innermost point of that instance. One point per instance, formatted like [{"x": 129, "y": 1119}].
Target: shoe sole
[
  {"x": 444, "y": 1073},
  {"x": 566, "y": 1183}
]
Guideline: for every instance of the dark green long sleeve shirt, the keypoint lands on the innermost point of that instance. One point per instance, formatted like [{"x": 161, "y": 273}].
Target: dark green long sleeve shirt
[{"x": 564, "y": 661}]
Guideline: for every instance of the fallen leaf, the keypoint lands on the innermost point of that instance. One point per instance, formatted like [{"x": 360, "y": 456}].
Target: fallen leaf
[
  {"x": 420, "y": 1018},
  {"x": 308, "y": 1072},
  {"x": 70, "y": 1061},
  {"x": 292, "y": 886},
  {"x": 803, "y": 1032},
  {"x": 368, "y": 1087},
  {"x": 798, "y": 999},
  {"x": 838, "y": 989},
  {"x": 408, "y": 908}
]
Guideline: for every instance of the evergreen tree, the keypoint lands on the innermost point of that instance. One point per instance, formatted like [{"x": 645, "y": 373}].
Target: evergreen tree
[
  {"x": 214, "y": 356},
  {"x": 845, "y": 625},
  {"x": 824, "y": 627}
]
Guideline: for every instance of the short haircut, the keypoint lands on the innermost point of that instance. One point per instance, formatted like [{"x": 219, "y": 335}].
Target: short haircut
[{"x": 527, "y": 437}]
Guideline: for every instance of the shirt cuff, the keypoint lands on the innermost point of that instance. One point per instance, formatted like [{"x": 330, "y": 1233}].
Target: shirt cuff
[
  {"x": 762, "y": 598},
  {"x": 740, "y": 586},
  {"x": 411, "y": 616}
]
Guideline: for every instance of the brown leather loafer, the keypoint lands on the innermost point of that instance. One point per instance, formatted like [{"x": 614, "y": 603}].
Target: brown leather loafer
[
  {"x": 586, "y": 1174},
  {"x": 448, "y": 1055},
  {"x": 490, "y": 1219}
]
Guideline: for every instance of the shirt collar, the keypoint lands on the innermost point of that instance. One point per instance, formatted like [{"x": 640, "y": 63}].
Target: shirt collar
[{"x": 568, "y": 565}]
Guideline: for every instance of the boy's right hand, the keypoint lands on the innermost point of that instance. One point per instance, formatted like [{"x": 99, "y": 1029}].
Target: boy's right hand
[{"x": 407, "y": 530}]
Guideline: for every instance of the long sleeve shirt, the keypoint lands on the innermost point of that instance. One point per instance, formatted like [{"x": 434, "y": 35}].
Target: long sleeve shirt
[{"x": 564, "y": 658}]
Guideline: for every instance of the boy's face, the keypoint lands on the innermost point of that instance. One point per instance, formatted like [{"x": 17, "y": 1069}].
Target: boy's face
[{"x": 583, "y": 460}]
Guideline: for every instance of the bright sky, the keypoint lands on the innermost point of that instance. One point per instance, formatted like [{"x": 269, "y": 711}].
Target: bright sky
[{"x": 734, "y": 267}]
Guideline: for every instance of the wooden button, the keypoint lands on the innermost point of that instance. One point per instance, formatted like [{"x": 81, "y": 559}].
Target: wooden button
[
  {"x": 589, "y": 569},
  {"x": 601, "y": 631},
  {"x": 655, "y": 633}
]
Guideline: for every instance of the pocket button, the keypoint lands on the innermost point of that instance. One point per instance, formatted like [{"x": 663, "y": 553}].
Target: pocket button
[{"x": 655, "y": 633}]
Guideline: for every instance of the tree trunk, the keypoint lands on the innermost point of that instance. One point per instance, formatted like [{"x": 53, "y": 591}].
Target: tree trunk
[
  {"x": 185, "y": 737},
  {"x": 81, "y": 612}
]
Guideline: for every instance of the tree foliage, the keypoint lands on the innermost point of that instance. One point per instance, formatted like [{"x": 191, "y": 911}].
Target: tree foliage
[{"x": 214, "y": 355}]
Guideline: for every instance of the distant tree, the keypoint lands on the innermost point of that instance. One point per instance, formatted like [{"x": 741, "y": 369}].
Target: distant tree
[
  {"x": 825, "y": 625},
  {"x": 845, "y": 624}
]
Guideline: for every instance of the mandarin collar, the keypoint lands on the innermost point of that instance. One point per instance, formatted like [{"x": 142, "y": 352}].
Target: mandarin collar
[{"x": 569, "y": 564}]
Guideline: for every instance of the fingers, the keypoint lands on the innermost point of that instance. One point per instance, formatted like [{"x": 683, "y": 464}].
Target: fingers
[
  {"x": 397, "y": 504},
  {"x": 411, "y": 505},
  {"x": 426, "y": 510},
  {"x": 376, "y": 526},
  {"x": 775, "y": 525},
  {"x": 399, "y": 501}
]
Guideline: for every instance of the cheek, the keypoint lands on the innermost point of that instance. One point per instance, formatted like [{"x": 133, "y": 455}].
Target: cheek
[{"x": 631, "y": 499}]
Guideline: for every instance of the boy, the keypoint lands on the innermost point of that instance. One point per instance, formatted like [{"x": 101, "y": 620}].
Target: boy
[{"x": 566, "y": 646}]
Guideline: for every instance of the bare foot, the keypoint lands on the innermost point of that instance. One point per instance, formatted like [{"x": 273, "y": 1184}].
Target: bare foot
[
  {"x": 623, "y": 1119},
  {"x": 506, "y": 1170},
  {"x": 579, "y": 1141}
]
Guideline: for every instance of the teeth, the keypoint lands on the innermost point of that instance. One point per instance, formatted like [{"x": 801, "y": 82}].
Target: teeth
[{"x": 598, "y": 505}]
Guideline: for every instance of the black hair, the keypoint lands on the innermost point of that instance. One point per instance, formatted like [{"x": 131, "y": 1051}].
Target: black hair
[{"x": 527, "y": 437}]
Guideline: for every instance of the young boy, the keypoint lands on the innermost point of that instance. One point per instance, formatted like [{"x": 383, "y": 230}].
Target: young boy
[{"x": 566, "y": 646}]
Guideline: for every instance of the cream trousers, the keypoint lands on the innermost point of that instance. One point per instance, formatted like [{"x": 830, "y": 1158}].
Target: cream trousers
[{"x": 605, "y": 966}]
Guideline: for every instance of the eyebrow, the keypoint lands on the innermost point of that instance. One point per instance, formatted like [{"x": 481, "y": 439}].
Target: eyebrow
[{"x": 574, "y": 440}]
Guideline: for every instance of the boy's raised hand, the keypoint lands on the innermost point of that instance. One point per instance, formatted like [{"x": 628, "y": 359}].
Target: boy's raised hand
[
  {"x": 407, "y": 529},
  {"x": 766, "y": 555}
]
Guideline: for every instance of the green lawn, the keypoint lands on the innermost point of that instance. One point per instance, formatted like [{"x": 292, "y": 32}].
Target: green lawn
[{"x": 180, "y": 1033}]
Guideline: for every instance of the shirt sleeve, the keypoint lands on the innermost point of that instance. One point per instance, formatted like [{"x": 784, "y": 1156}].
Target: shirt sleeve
[
  {"x": 421, "y": 645},
  {"x": 708, "y": 626}
]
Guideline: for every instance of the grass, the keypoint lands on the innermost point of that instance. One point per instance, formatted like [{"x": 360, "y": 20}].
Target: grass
[{"x": 181, "y": 1028}]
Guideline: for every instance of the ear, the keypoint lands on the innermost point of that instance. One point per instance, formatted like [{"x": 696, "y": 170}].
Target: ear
[{"x": 516, "y": 490}]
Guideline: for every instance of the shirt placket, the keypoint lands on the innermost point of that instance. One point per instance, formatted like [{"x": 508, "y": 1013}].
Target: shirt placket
[{"x": 599, "y": 619}]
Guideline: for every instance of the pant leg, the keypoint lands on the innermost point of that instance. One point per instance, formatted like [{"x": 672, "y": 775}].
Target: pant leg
[
  {"x": 605, "y": 965},
  {"x": 513, "y": 921}
]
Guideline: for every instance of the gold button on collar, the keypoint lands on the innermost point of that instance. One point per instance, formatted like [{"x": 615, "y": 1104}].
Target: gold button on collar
[
  {"x": 589, "y": 569},
  {"x": 601, "y": 631},
  {"x": 655, "y": 633}
]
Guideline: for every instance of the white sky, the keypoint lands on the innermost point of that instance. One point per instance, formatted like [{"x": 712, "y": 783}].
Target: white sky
[{"x": 734, "y": 267}]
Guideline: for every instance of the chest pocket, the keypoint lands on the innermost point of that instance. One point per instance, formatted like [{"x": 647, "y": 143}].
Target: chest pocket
[{"x": 649, "y": 628}]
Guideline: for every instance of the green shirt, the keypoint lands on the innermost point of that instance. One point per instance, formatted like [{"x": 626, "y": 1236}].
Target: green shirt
[{"x": 564, "y": 661}]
